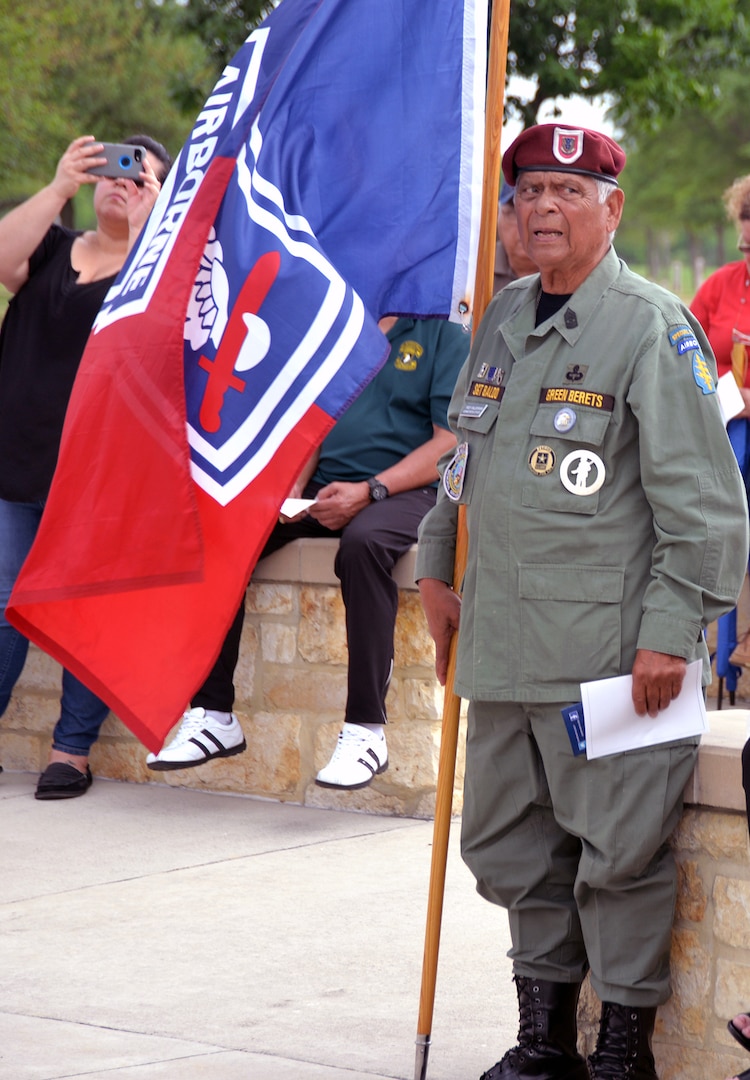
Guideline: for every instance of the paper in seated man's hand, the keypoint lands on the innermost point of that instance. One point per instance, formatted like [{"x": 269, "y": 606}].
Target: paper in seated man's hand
[
  {"x": 294, "y": 509},
  {"x": 339, "y": 502},
  {"x": 295, "y": 505}
]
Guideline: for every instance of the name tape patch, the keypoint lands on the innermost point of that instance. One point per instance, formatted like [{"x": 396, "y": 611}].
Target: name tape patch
[
  {"x": 482, "y": 389},
  {"x": 569, "y": 395}
]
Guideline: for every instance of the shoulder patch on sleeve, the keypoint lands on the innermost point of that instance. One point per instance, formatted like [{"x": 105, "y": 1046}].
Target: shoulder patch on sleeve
[
  {"x": 678, "y": 333},
  {"x": 704, "y": 380}
]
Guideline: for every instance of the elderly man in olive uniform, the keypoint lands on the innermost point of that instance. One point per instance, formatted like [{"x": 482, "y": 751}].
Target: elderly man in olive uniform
[{"x": 607, "y": 527}]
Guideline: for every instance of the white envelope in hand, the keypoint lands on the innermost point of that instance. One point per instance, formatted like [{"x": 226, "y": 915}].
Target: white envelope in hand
[
  {"x": 612, "y": 724},
  {"x": 731, "y": 401}
]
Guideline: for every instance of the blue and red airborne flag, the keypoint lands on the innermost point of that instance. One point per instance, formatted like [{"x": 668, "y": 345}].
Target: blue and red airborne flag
[{"x": 333, "y": 177}]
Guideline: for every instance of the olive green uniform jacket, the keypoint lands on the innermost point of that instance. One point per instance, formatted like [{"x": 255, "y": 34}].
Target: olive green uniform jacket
[{"x": 613, "y": 396}]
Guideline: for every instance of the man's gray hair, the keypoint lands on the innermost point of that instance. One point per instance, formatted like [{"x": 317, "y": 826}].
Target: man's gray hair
[{"x": 604, "y": 189}]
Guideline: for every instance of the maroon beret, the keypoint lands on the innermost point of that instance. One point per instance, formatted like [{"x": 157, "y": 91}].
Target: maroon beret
[{"x": 557, "y": 148}]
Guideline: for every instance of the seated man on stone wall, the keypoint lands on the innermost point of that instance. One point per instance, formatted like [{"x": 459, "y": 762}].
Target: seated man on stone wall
[{"x": 374, "y": 480}]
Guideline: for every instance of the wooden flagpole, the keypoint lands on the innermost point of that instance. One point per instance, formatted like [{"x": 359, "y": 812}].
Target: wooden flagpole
[{"x": 496, "y": 66}]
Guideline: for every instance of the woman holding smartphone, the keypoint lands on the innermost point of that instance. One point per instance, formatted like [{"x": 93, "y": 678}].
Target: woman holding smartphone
[{"x": 59, "y": 279}]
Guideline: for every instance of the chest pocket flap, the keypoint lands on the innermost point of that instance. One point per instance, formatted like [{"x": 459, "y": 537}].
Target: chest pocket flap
[
  {"x": 479, "y": 424},
  {"x": 584, "y": 584}
]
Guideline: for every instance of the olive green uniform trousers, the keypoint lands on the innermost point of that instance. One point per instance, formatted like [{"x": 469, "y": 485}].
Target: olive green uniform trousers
[{"x": 576, "y": 850}]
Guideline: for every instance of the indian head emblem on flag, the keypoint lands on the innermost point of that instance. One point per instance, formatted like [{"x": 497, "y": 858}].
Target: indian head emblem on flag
[{"x": 332, "y": 177}]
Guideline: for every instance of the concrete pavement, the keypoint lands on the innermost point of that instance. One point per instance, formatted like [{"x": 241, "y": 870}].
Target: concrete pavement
[{"x": 150, "y": 933}]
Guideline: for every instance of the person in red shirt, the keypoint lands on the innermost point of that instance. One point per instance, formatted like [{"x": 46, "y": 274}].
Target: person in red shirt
[{"x": 722, "y": 303}]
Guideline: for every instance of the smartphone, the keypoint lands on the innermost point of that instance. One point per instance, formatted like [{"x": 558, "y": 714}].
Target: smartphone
[{"x": 122, "y": 160}]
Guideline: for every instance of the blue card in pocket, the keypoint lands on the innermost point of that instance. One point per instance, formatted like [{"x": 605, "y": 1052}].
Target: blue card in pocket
[{"x": 573, "y": 717}]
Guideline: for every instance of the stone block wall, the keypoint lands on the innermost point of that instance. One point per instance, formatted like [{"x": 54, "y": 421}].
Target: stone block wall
[
  {"x": 711, "y": 934},
  {"x": 291, "y": 692},
  {"x": 291, "y": 687}
]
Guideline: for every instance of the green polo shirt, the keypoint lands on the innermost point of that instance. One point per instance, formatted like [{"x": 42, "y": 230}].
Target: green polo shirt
[{"x": 396, "y": 411}]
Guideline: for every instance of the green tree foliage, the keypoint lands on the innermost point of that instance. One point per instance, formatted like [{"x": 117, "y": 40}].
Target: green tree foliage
[
  {"x": 108, "y": 68},
  {"x": 675, "y": 75},
  {"x": 683, "y": 170},
  {"x": 222, "y": 25},
  {"x": 676, "y": 177},
  {"x": 653, "y": 58},
  {"x": 28, "y": 124}
]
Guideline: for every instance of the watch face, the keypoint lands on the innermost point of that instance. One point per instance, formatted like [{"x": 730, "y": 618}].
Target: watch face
[{"x": 378, "y": 491}]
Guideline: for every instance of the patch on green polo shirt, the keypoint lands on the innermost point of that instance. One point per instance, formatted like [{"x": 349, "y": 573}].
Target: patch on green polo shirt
[{"x": 408, "y": 354}]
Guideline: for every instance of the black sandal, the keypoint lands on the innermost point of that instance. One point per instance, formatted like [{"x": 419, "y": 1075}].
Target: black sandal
[
  {"x": 741, "y": 1039},
  {"x": 61, "y": 781}
]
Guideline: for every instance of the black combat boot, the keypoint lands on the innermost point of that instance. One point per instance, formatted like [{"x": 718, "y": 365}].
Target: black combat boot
[
  {"x": 623, "y": 1049},
  {"x": 547, "y": 1033}
]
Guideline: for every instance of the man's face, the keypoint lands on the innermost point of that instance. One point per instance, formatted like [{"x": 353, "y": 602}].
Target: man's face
[
  {"x": 563, "y": 226},
  {"x": 507, "y": 228}
]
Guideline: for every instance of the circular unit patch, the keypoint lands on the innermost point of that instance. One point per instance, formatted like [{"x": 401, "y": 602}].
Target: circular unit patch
[
  {"x": 542, "y": 460},
  {"x": 576, "y": 472}
]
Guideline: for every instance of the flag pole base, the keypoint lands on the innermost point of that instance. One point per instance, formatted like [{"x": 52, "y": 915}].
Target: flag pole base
[{"x": 423, "y": 1052}]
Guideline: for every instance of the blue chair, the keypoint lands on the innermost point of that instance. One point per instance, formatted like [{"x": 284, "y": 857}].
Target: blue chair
[
  {"x": 726, "y": 626},
  {"x": 726, "y": 642}
]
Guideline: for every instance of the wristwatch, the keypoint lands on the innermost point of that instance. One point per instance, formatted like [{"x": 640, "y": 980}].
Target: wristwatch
[{"x": 378, "y": 491}]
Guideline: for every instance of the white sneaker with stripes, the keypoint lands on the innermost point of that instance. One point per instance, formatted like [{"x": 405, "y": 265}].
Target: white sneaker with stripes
[
  {"x": 199, "y": 738},
  {"x": 360, "y": 754}
]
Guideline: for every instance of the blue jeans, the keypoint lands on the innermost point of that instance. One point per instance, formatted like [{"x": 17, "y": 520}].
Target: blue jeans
[{"x": 81, "y": 712}]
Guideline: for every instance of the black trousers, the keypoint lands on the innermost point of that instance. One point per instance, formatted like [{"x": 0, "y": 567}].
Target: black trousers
[{"x": 370, "y": 546}]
